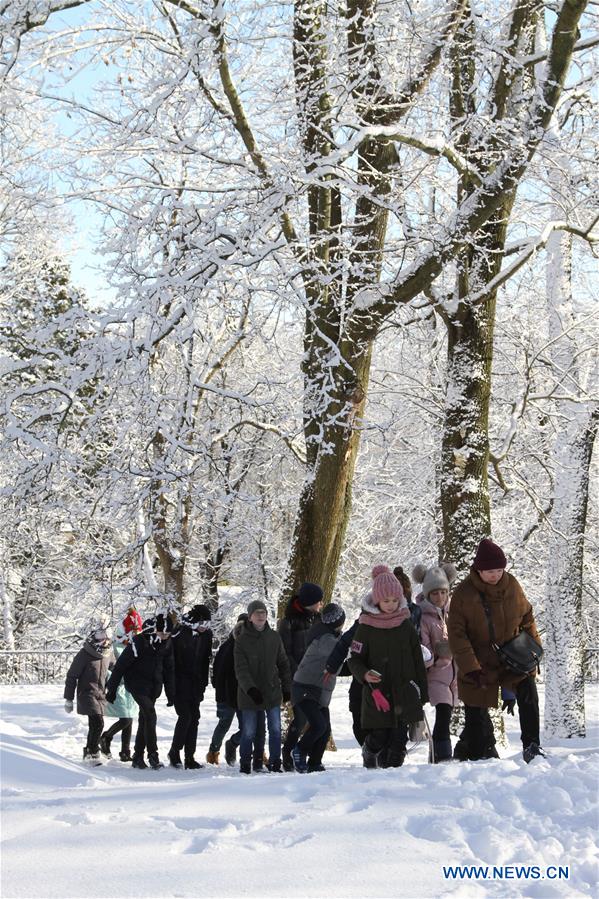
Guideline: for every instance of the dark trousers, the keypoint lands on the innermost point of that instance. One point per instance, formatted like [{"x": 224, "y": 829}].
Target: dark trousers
[
  {"x": 477, "y": 740},
  {"x": 145, "y": 737},
  {"x": 315, "y": 738},
  {"x": 355, "y": 708},
  {"x": 441, "y": 738},
  {"x": 186, "y": 729},
  {"x": 528, "y": 711},
  {"x": 125, "y": 725},
  {"x": 95, "y": 724},
  {"x": 389, "y": 744},
  {"x": 295, "y": 729},
  {"x": 478, "y": 736},
  {"x": 442, "y": 720}
]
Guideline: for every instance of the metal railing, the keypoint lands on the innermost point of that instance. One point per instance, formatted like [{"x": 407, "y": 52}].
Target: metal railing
[{"x": 44, "y": 666}]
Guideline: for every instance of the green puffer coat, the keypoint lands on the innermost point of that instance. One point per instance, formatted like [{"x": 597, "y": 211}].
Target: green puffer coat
[
  {"x": 124, "y": 705},
  {"x": 261, "y": 662},
  {"x": 396, "y": 654}
]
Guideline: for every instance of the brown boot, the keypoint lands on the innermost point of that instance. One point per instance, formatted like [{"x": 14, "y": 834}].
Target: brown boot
[{"x": 212, "y": 757}]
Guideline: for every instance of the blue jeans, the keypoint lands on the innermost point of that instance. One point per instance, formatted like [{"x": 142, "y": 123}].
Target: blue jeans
[{"x": 250, "y": 724}]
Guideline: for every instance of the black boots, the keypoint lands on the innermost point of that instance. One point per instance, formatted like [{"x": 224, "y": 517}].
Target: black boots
[
  {"x": 154, "y": 761},
  {"x": 191, "y": 764},
  {"x": 230, "y": 752},
  {"x": 105, "y": 746},
  {"x": 138, "y": 762},
  {"x": 174, "y": 758},
  {"x": 531, "y": 751}
]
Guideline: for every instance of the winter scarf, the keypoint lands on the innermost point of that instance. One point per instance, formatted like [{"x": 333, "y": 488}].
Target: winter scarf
[{"x": 385, "y": 620}]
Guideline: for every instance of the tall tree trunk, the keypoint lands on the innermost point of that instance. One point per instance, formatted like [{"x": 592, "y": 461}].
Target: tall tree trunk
[
  {"x": 325, "y": 501},
  {"x": 577, "y": 430}
]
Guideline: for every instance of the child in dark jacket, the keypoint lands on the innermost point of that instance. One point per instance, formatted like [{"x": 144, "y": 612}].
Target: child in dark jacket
[
  {"x": 312, "y": 690},
  {"x": 300, "y": 614},
  {"x": 87, "y": 675},
  {"x": 387, "y": 658}
]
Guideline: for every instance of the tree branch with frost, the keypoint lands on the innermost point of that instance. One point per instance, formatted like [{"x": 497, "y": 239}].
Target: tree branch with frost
[
  {"x": 240, "y": 120},
  {"x": 262, "y": 426},
  {"x": 534, "y": 246},
  {"x": 373, "y": 304},
  {"x": 390, "y": 133}
]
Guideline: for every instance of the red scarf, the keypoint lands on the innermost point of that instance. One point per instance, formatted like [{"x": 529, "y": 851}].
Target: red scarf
[{"x": 385, "y": 620}]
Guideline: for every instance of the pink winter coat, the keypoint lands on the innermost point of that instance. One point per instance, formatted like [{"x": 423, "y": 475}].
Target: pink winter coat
[{"x": 441, "y": 673}]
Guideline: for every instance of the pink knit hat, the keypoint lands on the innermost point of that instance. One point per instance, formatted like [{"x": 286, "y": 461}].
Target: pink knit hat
[{"x": 385, "y": 585}]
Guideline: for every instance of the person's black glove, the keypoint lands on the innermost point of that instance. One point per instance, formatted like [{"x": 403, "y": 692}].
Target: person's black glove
[
  {"x": 509, "y": 701},
  {"x": 110, "y": 696},
  {"x": 255, "y": 695},
  {"x": 169, "y": 703},
  {"x": 286, "y": 696}
]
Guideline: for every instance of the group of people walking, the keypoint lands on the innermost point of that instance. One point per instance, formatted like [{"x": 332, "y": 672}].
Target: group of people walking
[{"x": 402, "y": 653}]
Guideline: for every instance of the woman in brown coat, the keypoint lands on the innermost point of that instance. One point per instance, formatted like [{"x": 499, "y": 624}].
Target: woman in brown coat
[{"x": 480, "y": 673}]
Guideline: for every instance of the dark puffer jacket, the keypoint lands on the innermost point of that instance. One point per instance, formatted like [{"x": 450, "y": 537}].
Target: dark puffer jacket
[
  {"x": 396, "y": 654},
  {"x": 87, "y": 674},
  {"x": 293, "y": 629},
  {"x": 192, "y": 653},
  {"x": 261, "y": 662},
  {"x": 224, "y": 679},
  {"x": 145, "y": 667}
]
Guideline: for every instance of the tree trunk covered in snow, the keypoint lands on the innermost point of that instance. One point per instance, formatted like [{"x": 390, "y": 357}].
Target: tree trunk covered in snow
[
  {"x": 465, "y": 436},
  {"x": 576, "y": 432},
  {"x": 7, "y": 619}
]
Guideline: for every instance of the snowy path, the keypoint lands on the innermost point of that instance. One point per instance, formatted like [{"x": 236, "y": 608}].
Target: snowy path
[{"x": 71, "y": 831}]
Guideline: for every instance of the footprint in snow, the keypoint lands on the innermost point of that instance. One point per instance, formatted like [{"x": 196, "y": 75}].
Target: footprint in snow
[{"x": 74, "y": 818}]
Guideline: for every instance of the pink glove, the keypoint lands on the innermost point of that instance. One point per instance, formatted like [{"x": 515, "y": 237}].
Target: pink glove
[{"x": 380, "y": 701}]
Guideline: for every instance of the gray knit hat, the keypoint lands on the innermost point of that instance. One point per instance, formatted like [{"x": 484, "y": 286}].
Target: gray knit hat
[
  {"x": 437, "y": 577},
  {"x": 256, "y": 605}
]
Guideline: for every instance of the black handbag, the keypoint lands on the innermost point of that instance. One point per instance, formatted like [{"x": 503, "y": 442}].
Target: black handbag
[{"x": 522, "y": 654}]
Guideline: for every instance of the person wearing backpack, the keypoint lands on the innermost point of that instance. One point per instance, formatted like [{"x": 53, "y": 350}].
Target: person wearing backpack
[{"x": 312, "y": 690}]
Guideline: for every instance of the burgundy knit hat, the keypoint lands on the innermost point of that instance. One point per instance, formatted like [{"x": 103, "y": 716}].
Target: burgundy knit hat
[
  {"x": 385, "y": 585},
  {"x": 488, "y": 556}
]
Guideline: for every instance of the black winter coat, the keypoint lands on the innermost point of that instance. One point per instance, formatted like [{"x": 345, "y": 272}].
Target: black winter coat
[
  {"x": 192, "y": 652},
  {"x": 145, "y": 668},
  {"x": 293, "y": 629},
  {"x": 224, "y": 679},
  {"x": 87, "y": 674}
]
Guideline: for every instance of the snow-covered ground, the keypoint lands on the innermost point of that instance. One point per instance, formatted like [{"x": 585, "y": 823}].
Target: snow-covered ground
[{"x": 72, "y": 831}]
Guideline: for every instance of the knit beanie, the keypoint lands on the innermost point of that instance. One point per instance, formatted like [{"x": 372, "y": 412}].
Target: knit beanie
[
  {"x": 488, "y": 556},
  {"x": 256, "y": 605},
  {"x": 309, "y": 594},
  {"x": 198, "y": 613},
  {"x": 132, "y": 621},
  {"x": 385, "y": 585},
  {"x": 437, "y": 577},
  {"x": 333, "y": 614}
]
